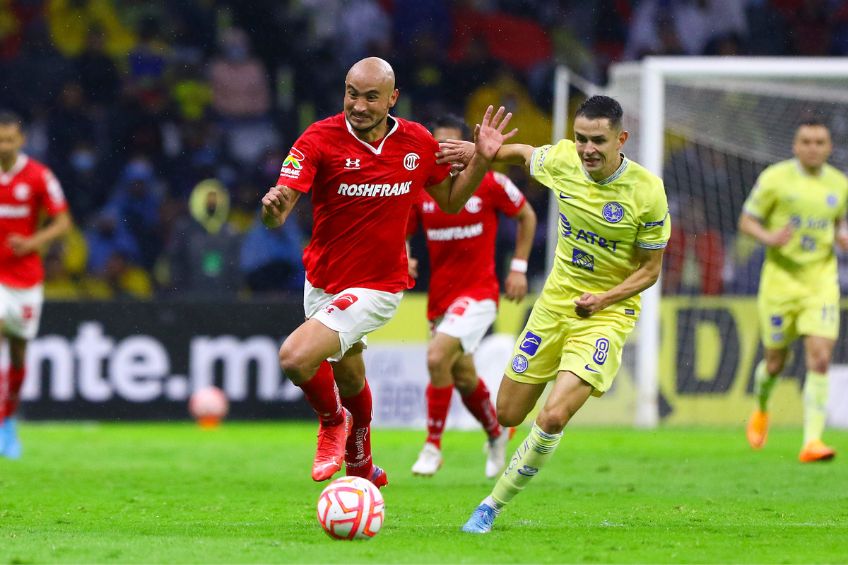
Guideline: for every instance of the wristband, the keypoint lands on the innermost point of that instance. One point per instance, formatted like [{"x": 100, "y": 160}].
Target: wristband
[{"x": 518, "y": 265}]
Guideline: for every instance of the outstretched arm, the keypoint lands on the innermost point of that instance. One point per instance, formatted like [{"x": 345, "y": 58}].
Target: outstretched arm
[
  {"x": 459, "y": 153},
  {"x": 452, "y": 193},
  {"x": 277, "y": 204}
]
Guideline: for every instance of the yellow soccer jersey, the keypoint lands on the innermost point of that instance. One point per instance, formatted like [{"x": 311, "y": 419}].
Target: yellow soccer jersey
[
  {"x": 600, "y": 225},
  {"x": 786, "y": 194}
]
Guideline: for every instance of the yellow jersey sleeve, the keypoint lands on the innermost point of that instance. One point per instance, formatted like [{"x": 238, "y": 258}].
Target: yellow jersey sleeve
[
  {"x": 763, "y": 196},
  {"x": 550, "y": 163},
  {"x": 654, "y": 227}
]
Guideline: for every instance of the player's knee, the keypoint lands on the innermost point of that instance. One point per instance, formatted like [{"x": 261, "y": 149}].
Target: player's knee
[
  {"x": 510, "y": 416},
  {"x": 552, "y": 421},
  {"x": 294, "y": 364},
  {"x": 819, "y": 363},
  {"x": 438, "y": 365},
  {"x": 774, "y": 366}
]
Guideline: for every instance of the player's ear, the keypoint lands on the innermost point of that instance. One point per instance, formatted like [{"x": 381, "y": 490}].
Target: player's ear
[
  {"x": 622, "y": 137},
  {"x": 393, "y": 98}
]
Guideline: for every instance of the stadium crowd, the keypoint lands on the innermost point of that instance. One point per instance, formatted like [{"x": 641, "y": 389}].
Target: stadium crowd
[{"x": 166, "y": 121}]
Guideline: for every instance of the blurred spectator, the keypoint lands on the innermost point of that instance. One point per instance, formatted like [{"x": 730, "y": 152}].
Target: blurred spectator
[
  {"x": 534, "y": 126},
  {"x": 239, "y": 81},
  {"x": 106, "y": 237},
  {"x": 660, "y": 26},
  {"x": 271, "y": 260},
  {"x": 241, "y": 97},
  {"x": 68, "y": 123},
  {"x": 97, "y": 73},
  {"x": 362, "y": 25},
  {"x": 203, "y": 256},
  {"x": 146, "y": 61},
  {"x": 136, "y": 200},
  {"x": 71, "y": 21}
]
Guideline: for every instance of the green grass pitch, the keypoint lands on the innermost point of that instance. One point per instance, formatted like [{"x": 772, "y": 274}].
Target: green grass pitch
[{"x": 174, "y": 493}]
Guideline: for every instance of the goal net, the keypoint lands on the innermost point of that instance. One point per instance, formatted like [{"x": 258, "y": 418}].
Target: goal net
[{"x": 710, "y": 126}]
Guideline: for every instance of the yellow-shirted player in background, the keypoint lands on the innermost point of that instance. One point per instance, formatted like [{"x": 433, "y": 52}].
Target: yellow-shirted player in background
[
  {"x": 613, "y": 228},
  {"x": 797, "y": 209}
]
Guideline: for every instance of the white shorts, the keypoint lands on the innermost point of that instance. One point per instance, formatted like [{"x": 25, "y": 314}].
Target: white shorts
[
  {"x": 468, "y": 320},
  {"x": 20, "y": 310},
  {"x": 353, "y": 312}
]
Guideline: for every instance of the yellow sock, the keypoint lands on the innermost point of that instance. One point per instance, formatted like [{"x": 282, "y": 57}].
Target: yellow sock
[
  {"x": 763, "y": 384},
  {"x": 815, "y": 405},
  {"x": 530, "y": 456}
]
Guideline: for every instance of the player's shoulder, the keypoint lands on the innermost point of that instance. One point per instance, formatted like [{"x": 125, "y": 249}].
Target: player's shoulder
[
  {"x": 779, "y": 171},
  {"x": 561, "y": 156},
  {"x": 835, "y": 176},
  {"x": 647, "y": 181},
  {"x": 34, "y": 170}
]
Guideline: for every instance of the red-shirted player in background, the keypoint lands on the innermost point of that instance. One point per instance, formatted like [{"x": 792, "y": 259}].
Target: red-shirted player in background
[
  {"x": 366, "y": 169},
  {"x": 27, "y": 189},
  {"x": 463, "y": 299}
]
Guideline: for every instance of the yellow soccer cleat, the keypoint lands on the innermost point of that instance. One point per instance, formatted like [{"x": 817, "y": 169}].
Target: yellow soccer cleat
[
  {"x": 816, "y": 450},
  {"x": 757, "y": 429}
]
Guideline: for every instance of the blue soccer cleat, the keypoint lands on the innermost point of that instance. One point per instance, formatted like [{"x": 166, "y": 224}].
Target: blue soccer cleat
[
  {"x": 11, "y": 443},
  {"x": 481, "y": 520}
]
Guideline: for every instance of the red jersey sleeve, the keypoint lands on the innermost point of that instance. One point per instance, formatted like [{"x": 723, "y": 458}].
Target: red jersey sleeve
[
  {"x": 303, "y": 161},
  {"x": 52, "y": 198},
  {"x": 506, "y": 196},
  {"x": 439, "y": 172}
]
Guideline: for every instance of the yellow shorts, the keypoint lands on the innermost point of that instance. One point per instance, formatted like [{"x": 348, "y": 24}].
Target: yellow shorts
[
  {"x": 783, "y": 319},
  {"x": 588, "y": 347}
]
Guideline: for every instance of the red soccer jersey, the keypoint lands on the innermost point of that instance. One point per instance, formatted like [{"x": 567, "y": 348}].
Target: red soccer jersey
[
  {"x": 27, "y": 190},
  {"x": 361, "y": 197},
  {"x": 462, "y": 246}
]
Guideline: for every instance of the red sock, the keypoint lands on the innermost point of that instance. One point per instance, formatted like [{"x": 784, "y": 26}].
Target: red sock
[
  {"x": 13, "y": 394},
  {"x": 438, "y": 404},
  {"x": 479, "y": 403},
  {"x": 358, "y": 448},
  {"x": 323, "y": 395}
]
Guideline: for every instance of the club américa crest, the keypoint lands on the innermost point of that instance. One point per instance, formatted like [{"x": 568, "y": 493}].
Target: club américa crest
[{"x": 613, "y": 212}]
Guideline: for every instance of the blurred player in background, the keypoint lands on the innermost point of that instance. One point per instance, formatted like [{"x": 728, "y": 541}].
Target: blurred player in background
[
  {"x": 28, "y": 190},
  {"x": 463, "y": 299},
  {"x": 797, "y": 210},
  {"x": 613, "y": 229},
  {"x": 366, "y": 169}
]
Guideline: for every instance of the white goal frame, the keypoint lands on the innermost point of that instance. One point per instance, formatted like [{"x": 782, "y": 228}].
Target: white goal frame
[{"x": 655, "y": 72}]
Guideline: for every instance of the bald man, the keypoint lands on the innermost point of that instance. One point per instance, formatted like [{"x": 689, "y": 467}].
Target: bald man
[{"x": 365, "y": 169}]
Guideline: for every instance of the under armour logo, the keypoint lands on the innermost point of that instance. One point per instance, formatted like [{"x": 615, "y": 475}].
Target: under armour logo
[{"x": 351, "y": 163}]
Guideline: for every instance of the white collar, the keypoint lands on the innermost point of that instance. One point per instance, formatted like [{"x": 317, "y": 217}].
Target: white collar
[
  {"x": 379, "y": 149},
  {"x": 20, "y": 163}
]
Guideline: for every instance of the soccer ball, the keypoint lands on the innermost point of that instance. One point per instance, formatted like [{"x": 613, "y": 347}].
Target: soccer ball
[
  {"x": 208, "y": 405},
  {"x": 351, "y": 508}
]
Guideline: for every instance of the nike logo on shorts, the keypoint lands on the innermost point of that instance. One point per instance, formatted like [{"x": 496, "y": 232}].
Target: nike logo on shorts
[{"x": 588, "y": 368}]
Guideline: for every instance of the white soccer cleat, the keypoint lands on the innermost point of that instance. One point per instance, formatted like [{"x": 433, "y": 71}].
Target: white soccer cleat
[
  {"x": 429, "y": 461},
  {"x": 496, "y": 453}
]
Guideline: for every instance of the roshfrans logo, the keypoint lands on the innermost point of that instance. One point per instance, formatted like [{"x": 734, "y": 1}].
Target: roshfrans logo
[{"x": 293, "y": 159}]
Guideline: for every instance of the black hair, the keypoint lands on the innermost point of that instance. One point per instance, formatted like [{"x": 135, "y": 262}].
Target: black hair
[
  {"x": 8, "y": 118},
  {"x": 811, "y": 120},
  {"x": 451, "y": 121},
  {"x": 598, "y": 107}
]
